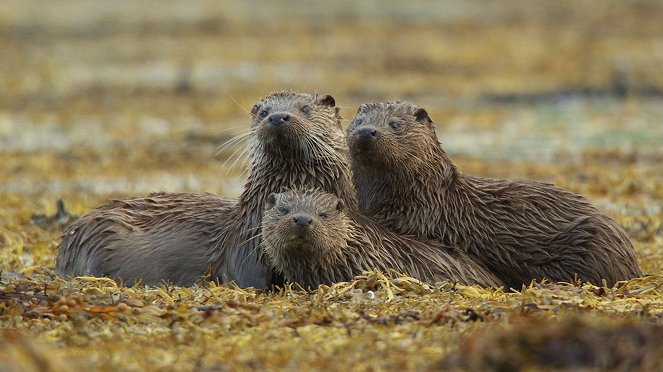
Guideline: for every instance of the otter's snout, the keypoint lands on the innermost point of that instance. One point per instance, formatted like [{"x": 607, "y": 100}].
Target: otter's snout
[
  {"x": 302, "y": 220},
  {"x": 279, "y": 119},
  {"x": 364, "y": 134}
]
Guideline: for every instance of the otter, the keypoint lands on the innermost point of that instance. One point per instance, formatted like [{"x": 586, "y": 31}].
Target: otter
[
  {"x": 519, "y": 229},
  {"x": 296, "y": 140},
  {"x": 313, "y": 238}
]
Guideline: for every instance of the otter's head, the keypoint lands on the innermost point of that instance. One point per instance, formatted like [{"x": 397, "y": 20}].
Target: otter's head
[
  {"x": 392, "y": 135},
  {"x": 304, "y": 233},
  {"x": 296, "y": 127}
]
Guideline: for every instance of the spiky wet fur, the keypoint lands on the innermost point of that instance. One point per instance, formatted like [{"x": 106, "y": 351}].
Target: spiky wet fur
[
  {"x": 312, "y": 152},
  {"x": 341, "y": 243},
  {"x": 519, "y": 229},
  {"x": 177, "y": 236},
  {"x": 153, "y": 238}
]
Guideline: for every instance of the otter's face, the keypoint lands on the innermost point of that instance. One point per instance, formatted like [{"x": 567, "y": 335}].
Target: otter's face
[
  {"x": 300, "y": 229},
  {"x": 389, "y": 135},
  {"x": 295, "y": 125}
]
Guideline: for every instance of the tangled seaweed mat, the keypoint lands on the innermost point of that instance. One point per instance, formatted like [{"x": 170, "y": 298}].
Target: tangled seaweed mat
[{"x": 377, "y": 321}]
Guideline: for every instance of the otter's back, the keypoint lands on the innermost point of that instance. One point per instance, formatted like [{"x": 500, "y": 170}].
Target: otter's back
[{"x": 164, "y": 236}]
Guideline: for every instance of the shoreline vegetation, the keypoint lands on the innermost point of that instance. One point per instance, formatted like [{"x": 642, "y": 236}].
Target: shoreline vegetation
[{"x": 104, "y": 100}]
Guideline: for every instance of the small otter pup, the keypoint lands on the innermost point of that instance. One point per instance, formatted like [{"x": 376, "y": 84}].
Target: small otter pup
[
  {"x": 313, "y": 238},
  {"x": 296, "y": 140},
  {"x": 519, "y": 229}
]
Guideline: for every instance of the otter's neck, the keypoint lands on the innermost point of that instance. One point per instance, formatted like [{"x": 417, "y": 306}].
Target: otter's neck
[
  {"x": 408, "y": 201},
  {"x": 331, "y": 174}
]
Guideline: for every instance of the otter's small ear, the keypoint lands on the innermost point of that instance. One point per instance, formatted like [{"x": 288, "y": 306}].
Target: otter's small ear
[
  {"x": 422, "y": 115},
  {"x": 327, "y": 100},
  {"x": 271, "y": 201},
  {"x": 255, "y": 109},
  {"x": 340, "y": 205},
  {"x": 362, "y": 107}
]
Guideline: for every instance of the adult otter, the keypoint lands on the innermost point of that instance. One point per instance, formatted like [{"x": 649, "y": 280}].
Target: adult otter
[
  {"x": 519, "y": 229},
  {"x": 312, "y": 238},
  {"x": 296, "y": 140}
]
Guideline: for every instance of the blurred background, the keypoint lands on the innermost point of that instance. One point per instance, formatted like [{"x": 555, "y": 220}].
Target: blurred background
[{"x": 105, "y": 99}]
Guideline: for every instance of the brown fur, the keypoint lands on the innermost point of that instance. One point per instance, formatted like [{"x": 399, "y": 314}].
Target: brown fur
[
  {"x": 177, "y": 236},
  {"x": 335, "y": 243},
  {"x": 521, "y": 230},
  {"x": 310, "y": 153},
  {"x": 153, "y": 238}
]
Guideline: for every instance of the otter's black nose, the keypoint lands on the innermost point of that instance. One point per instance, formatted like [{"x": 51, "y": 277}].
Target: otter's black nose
[
  {"x": 302, "y": 220},
  {"x": 278, "y": 120},
  {"x": 367, "y": 133}
]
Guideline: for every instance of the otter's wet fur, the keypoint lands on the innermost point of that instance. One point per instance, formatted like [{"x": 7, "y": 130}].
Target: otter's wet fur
[
  {"x": 519, "y": 229},
  {"x": 313, "y": 238},
  {"x": 310, "y": 151},
  {"x": 128, "y": 239},
  {"x": 154, "y": 238}
]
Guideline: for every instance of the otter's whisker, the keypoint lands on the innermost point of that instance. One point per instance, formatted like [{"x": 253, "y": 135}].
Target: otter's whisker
[
  {"x": 237, "y": 151},
  {"x": 239, "y": 104},
  {"x": 244, "y": 171},
  {"x": 253, "y": 237},
  {"x": 235, "y": 127},
  {"x": 235, "y": 139},
  {"x": 257, "y": 248},
  {"x": 249, "y": 230},
  {"x": 242, "y": 157},
  {"x": 306, "y": 83}
]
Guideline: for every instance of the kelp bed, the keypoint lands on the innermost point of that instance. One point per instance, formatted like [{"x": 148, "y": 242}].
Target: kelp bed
[
  {"x": 109, "y": 99},
  {"x": 377, "y": 321}
]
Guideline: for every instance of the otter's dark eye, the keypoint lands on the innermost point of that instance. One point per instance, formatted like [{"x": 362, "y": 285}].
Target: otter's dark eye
[
  {"x": 283, "y": 210},
  {"x": 394, "y": 125},
  {"x": 306, "y": 109},
  {"x": 263, "y": 113},
  {"x": 323, "y": 215},
  {"x": 358, "y": 122}
]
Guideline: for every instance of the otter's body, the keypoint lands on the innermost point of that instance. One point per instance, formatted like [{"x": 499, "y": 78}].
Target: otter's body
[
  {"x": 161, "y": 237},
  {"x": 312, "y": 238},
  {"x": 296, "y": 140},
  {"x": 521, "y": 230}
]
